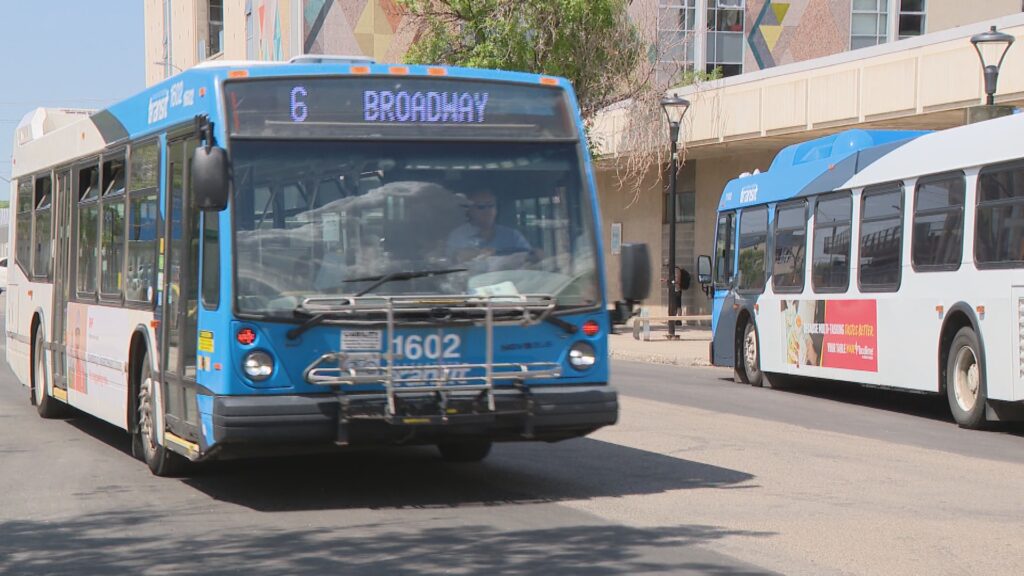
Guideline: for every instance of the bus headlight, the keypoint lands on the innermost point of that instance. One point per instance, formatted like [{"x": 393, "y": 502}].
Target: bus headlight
[
  {"x": 258, "y": 365},
  {"x": 582, "y": 356}
]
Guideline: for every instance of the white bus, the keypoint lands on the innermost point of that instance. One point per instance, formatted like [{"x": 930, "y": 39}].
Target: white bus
[{"x": 896, "y": 260}]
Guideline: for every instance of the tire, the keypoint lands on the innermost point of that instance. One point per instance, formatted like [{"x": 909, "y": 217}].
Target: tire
[
  {"x": 161, "y": 461},
  {"x": 965, "y": 380},
  {"x": 464, "y": 451},
  {"x": 46, "y": 405},
  {"x": 748, "y": 361}
]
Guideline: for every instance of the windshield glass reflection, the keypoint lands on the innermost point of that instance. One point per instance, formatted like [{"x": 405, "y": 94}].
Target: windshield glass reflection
[{"x": 346, "y": 218}]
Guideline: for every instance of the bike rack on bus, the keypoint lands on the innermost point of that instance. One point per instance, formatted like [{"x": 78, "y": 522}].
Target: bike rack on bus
[{"x": 332, "y": 369}]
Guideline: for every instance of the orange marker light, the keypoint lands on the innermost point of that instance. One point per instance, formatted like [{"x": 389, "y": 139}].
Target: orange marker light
[
  {"x": 238, "y": 74},
  {"x": 981, "y": 310},
  {"x": 435, "y": 71},
  {"x": 398, "y": 70},
  {"x": 359, "y": 69},
  {"x": 549, "y": 81},
  {"x": 202, "y": 92}
]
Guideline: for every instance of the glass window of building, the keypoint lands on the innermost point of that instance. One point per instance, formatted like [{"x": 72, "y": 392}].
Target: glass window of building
[
  {"x": 912, "y": 18},
  {"x": 725, "y": 36},
  {"x": 677, "y": 22},
  {"x": 869, "y": 25}
]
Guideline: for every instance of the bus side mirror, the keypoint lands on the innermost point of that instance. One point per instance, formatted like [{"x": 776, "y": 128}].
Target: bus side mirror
[
  {"x": 635, "y": 272},
  {"x": 704, "y": 273},
  {"x": 635, "y": 280},
  {"x": 210, "y": 178}
]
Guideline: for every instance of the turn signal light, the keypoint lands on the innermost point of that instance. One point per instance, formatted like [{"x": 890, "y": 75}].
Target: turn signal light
[
  {"x": 591, "y": 328},
  {"x": 246, "y": 336}
]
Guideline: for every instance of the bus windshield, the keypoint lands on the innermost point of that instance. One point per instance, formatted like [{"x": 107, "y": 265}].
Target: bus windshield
[{"x": 321, "y": 218}]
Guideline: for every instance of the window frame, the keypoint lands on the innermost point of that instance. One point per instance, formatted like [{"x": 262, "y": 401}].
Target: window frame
[
  {"x": 900, "y": 12},
  {"x": 847, "y": 194},
  {"x": 881, "y": 14},
  {"x": 802, "y": 203},
  {"x": 106, "y": 199},
  {"x": 1009, "y": 166},
  {"x": 715, "y": 276},
  {"x": 77, "y": 168},
  {"x": 30, "y": 181},
  {"x": 899, "y": 188},
  {"x": 131, "y": 194},
  {"x": 34, "y": 275},
  {"x": 924, "y": 268},
  {"x": 739, "y": 248}
]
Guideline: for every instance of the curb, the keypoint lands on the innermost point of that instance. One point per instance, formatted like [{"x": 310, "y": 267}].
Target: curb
[{"x": 658, "y": 358}]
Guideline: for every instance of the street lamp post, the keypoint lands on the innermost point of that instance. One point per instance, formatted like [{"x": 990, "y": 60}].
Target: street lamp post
[
  {"x": 674, "y": 108},
  {"x": 990, "y": 44}
]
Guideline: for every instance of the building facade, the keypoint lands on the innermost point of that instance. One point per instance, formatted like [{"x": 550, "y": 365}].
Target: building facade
[{"x": 792, "y": 71}]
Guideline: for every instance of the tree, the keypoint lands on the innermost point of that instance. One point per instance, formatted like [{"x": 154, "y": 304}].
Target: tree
[{"x": 595, "y": 44}]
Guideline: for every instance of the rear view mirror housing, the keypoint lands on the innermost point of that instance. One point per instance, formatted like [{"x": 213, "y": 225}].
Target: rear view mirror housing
[
  {"x": 211, "y": 178},
  {"x": 635, "y": 272},
  {"x": 635, "y": 281},
  {"x": 704, "y": 273}
]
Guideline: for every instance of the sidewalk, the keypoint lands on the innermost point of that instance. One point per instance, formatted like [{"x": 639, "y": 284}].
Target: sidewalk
[{"x": 691, "y": 349}]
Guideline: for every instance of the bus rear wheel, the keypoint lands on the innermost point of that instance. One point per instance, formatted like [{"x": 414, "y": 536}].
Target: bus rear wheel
[
  {"x": 46, "y": 405},
  {"x": 464, "y": 451},
  {"x": 161, "y": 461},
  {"x": 965, "y": 380}
]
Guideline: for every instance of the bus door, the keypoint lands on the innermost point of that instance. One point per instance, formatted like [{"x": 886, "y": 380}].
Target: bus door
[
  {"x": 62, "y": 206},
  {"x": 724, "y": 282},
  {"x": 180, "y": 289}
]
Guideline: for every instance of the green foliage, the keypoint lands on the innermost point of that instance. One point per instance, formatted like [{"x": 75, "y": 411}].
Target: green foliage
[
  {"x": 593, "y": 43},
  {"x": 690, "y": 77}
]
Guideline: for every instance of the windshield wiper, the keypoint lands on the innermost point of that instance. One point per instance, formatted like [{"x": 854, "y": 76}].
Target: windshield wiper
[
  {"x": 393, "y": 276},
  {"x": 313, "y": 320}
]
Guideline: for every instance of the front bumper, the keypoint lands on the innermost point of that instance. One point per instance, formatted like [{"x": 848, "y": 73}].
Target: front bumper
[{"x": 546, "y": 413}]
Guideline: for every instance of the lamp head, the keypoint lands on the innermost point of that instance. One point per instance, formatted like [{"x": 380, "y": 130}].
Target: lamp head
[
  {"x": 992, "y": 46},
  {"x": 674, "y": 108}
]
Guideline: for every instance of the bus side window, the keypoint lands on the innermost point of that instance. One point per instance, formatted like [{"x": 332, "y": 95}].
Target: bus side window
[
  {"x": 752, "y": 249},
  {"x": 999, "y": 223},
  {"x": 23, "y": 225},
  {"x": 790, "y": 248},
  {"x": 881, "y": 238},
  {"x": 830, "y": 265},
  {"x": 143, "y": 220},
  {"x": 938, "y": 240},
  {"x": 112, "y": 229},
  {"x": 41, "y": 230},
  {"x": 88, "y": 230},
  {"x": 725, "y": 237}
]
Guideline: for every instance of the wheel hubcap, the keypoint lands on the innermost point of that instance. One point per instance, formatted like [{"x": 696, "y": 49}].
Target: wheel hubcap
[
  {"x": 750, "y": 350},
  {"x": 966, "y": 379},
  {"x": 146, "y": 427},
  {"x": 40, "y": 383}
]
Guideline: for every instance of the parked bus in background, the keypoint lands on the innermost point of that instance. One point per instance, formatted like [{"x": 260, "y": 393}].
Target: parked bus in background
[
  {"x": 252, "y": 258},
  {"x": 887, "y": 258}
]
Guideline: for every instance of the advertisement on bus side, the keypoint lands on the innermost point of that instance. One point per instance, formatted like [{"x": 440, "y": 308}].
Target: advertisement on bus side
[{"x": 831, "y": 333}]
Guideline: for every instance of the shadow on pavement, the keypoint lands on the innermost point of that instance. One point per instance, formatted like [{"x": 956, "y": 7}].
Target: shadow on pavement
[
  {"x": 136, "y": 543},
  {"x": 418, "y": 478}
]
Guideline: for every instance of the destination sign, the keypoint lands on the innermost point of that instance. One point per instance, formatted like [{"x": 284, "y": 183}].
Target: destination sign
[{"x": 401, "y": 108}]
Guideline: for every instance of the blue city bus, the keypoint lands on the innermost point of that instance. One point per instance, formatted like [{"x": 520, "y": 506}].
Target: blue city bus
[
  {"x": 885, "y": 258},
  {"x": 254, "y": 258}
]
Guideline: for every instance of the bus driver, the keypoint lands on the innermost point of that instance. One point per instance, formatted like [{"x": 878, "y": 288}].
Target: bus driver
[{"x": 481, "y": 236}]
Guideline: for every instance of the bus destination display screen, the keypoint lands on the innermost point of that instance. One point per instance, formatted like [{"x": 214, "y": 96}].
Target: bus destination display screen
[{"x": 389, "y": 107}]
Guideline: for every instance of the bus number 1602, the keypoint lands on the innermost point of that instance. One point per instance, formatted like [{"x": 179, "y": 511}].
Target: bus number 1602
[{"x": 432, "y": 347}]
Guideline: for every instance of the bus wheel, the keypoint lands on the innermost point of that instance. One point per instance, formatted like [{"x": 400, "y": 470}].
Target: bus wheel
[
  {"x": 750, "y": 356},
  {"x": 46, "y": 405},
  {"x": 965, "y": 380},
  {"x": 464, "y": 451},
  {"x": 161, "y": 461}
]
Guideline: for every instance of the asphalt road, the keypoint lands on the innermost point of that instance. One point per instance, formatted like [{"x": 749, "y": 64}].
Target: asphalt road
[{"x": 701, "y": 476}]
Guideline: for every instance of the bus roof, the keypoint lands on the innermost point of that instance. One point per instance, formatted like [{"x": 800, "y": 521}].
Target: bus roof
[
  {"x": 814, "y": 166},
  {"x": 181, "y": 97}
]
